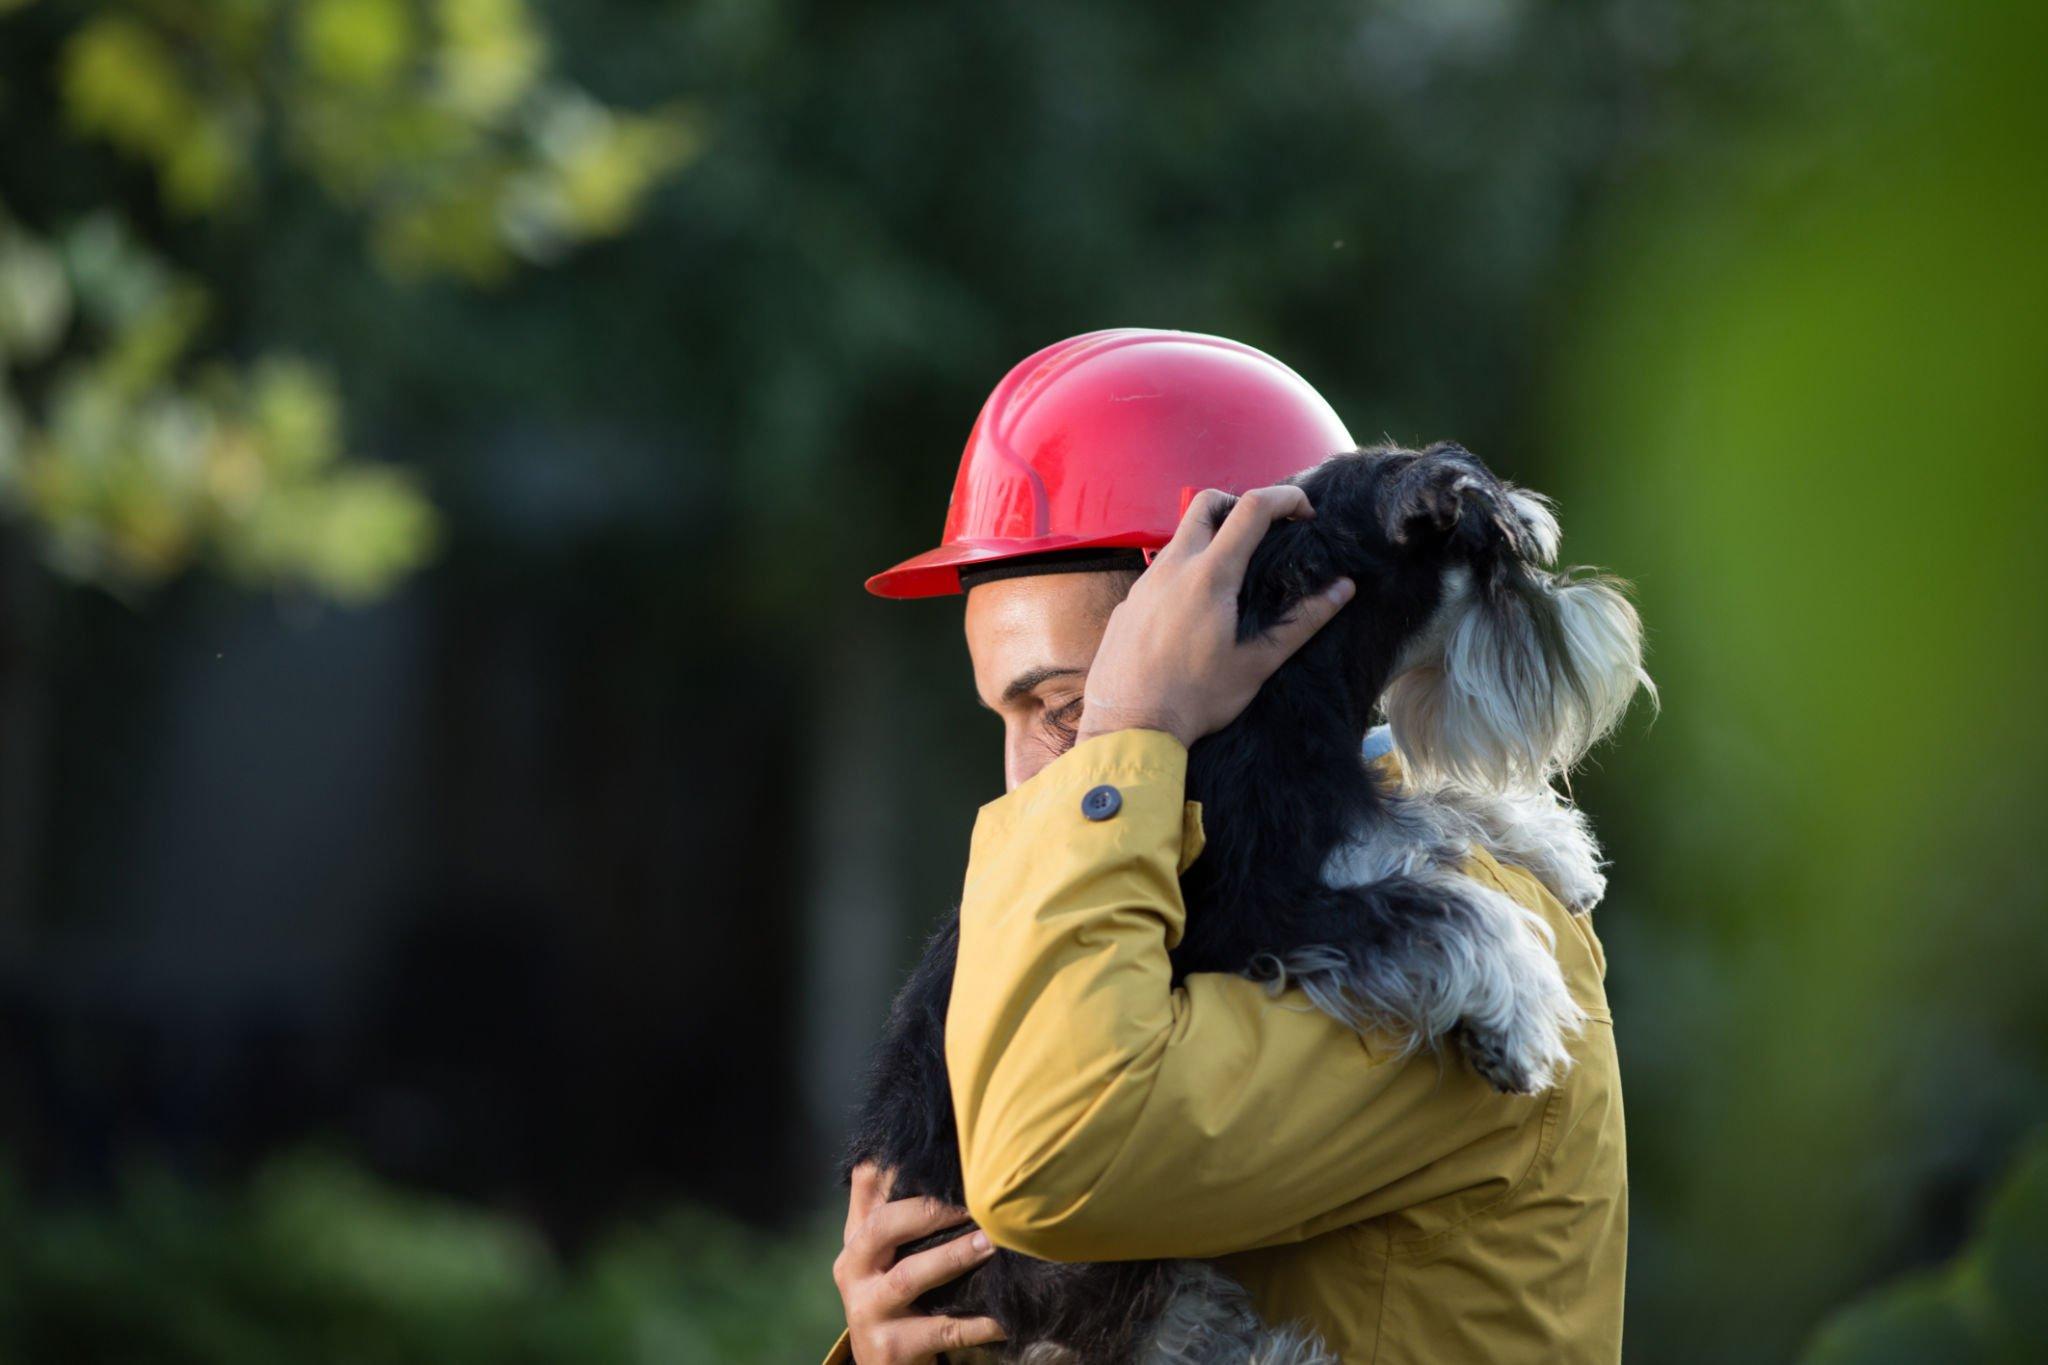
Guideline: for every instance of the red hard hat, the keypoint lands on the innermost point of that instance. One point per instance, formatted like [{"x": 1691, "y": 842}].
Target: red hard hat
[{"x": 1100, "y": 440}]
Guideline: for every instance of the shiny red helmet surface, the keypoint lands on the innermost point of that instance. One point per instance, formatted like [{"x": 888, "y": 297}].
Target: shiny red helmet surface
[{"x": 1099, "y": 440}]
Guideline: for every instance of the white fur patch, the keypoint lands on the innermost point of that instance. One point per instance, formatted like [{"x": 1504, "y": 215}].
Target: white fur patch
[
  {"x": 1502, "y": 704},
  {"x": 1538, "y": 514},
  {"x": 1493, "y": 969},
  {"x": 1536, "y": 830}
]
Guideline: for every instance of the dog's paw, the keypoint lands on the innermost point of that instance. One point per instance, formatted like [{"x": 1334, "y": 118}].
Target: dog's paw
[{"x": 1501, "y": 1065}]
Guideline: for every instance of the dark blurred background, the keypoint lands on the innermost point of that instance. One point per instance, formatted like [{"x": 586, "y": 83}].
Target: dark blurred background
[{"x": 461, "y": 819}]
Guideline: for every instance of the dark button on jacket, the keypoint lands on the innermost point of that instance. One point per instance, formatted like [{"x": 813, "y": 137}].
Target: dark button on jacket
[{"x": 1102, "y": 802}]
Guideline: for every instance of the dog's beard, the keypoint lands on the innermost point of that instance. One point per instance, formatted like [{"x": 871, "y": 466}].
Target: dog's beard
[{"x": 1510, "y": 686}]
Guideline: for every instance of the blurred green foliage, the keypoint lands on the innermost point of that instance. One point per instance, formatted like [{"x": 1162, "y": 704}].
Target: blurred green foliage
[
  {"x": 315, "y": 1260},
  {"x": 139, "y": 461},
  {"x": 135, "y": 454},
  {"x": 439, "y": 121},
  {"x": 1985, "y": 1307},
  {"x": 1802, "y": 408}
]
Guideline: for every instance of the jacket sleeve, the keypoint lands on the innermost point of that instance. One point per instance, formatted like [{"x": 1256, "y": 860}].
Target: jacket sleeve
[{"x": 1105, "y": 1114}]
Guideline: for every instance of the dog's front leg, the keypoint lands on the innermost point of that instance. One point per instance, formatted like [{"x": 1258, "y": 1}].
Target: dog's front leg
[{"x": 1440, "y": 956}]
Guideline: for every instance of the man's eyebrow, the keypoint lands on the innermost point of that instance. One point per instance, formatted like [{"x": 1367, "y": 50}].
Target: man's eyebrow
[{"x": 1027, "y": 682}]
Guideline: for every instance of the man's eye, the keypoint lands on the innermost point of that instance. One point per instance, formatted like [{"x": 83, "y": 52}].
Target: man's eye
[{"x": 1064, "y": 718}]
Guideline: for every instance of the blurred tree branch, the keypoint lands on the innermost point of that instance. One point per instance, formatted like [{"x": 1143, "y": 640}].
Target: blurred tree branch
[
  {"x": 133, "y": 461},
  {"x": 132, "y": 452}
]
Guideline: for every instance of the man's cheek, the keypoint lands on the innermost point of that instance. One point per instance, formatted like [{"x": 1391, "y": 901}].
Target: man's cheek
[{"x": 1028, "y": 753}]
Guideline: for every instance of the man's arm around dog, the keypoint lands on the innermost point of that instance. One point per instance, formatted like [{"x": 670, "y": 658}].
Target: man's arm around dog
[{"x": 1400, "y": 1205}]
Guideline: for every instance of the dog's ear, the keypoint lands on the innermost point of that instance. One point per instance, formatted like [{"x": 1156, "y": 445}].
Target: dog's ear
[
  {"x": 1533, "y": 671},
  {"x": 1448, "y": 490},
  {"x": 1429, "y": 496}
]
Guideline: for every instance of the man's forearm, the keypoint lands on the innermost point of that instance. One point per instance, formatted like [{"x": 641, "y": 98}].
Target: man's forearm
[{"x": 1062, "y": 997}]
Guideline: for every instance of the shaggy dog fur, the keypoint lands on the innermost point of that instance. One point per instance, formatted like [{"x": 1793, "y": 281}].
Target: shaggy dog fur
[{"x": 1496, "y": 674}]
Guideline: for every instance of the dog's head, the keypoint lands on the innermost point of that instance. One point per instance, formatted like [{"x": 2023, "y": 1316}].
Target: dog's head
[{"x": 1494, "y": 669}]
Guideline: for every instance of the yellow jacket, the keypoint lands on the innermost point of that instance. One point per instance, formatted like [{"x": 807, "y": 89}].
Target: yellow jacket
[{"x": 1399, "y": 1205}]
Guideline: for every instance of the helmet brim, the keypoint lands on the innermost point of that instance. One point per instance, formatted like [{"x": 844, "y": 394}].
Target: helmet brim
[{"x": 936, "y": 573}]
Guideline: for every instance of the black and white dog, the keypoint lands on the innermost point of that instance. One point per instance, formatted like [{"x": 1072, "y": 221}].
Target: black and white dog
[{"x": 1496, "y": 674}]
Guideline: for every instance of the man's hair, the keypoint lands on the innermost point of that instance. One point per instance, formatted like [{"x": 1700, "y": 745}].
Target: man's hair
[
  {"x": 1118, "y": 582},
  {"x": 1123, "y": 561},
  {"x": 1117, "y": 566}
]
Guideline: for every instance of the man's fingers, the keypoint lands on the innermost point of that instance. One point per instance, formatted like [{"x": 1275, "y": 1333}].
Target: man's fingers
[
  {"x": 1310, "y": 615},
  {"x": 938, "y": 1265},
  {"x": 930, "y": 1335},
  {"x": 1248, "y": 522},
  {"x": 870, "y": 1183},
  {"x": 1198, "y": 525},
  {"x": 900, "y": 1221}
]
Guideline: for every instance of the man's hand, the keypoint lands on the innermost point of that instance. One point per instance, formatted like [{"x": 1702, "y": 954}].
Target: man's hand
[
  {"x": 1170, "y": 659},
  {"x": 880, "y": 1292}
]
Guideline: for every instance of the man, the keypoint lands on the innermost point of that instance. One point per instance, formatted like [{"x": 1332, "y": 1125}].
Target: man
[{"x": 1394, "y": 1203}]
